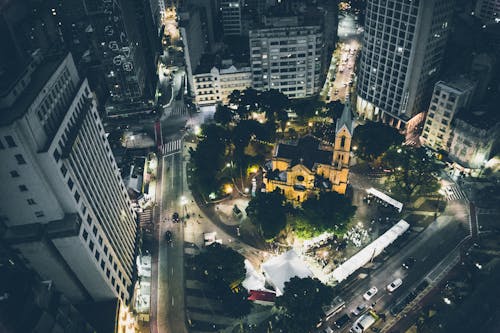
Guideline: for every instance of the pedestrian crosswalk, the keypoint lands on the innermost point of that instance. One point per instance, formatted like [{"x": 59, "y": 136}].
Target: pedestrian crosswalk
[
  {"x": 178, "y": 110},
  {"x": 453, "y": 192},
  {"x": 171, "y": 147}
]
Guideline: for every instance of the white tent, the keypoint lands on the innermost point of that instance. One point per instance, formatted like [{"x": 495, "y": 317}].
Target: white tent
[
  {"x": 369, "y": 252},
  {"x": 382, "y": 196},
  {"x": 281, "y": 269},
  {"x": 253, "y": 280}
]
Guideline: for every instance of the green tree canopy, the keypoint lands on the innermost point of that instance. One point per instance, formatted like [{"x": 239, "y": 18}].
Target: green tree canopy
[
  {"x": 268, "y": 212},
  {"x": 415, "y": 172},
  {"x": 330, "y": 212},
  {"x": 223, "y": 115},
  {"x": 302, "y": 302},
  {"x": 221, "y": 266},
  {"x": 335, "y": 109},
  {"x": 272, "y": 102},
  {"x": 220, "y": 263},
  {"x": 373, "y": 139},
  {"x": 209, "y": 157}
]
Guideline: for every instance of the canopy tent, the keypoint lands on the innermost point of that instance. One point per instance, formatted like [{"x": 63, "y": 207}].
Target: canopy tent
[
  {"x": 369, "y": 252},
  {"x": 253, "y": 280},
  {"x": 282, "y": 268},
  {"x": 382, "y": 196}
]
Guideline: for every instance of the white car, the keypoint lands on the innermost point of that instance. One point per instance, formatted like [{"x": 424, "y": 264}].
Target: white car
[
  {"x": 328, "y": 330},
  {"x": 359, "y": 309},
  {"x": 370, "y": 293},
  {"x": 394, "y": 285}
]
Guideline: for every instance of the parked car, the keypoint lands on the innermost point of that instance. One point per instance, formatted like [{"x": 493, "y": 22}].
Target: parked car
[
  {"x": 359, "y": 309},
  {"x": 409, "y": 262},
  {"x": 394, "y": 285},
  {"x": 168, "y": 236},
  {"x": 327, "y": 330},
  {"x": 370, "y": 293},
  {"x": 175, "y": 217},
  {"x": 339, "y": 323}
]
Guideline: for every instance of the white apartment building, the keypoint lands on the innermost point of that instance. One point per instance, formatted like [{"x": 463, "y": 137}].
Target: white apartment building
[
  {"x": 403, "y": 48},
  {"x": 64, "y": 205},
  {"x": 287, "y": 58},
  {"x": 231, "y": 16},
  {"x": 215, "y": 86},
  {"x": 447, "y": 99}
]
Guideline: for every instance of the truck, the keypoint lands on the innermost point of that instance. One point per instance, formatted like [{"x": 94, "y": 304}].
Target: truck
[{"x": 363, "y": 323}]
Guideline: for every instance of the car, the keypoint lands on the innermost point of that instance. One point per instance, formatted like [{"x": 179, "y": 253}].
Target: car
[
  {"x": 327, "y": 330},
  {"x": 394, "y": 285},
  {"x": 339, "y": 323},
  {"x": 359, "y": 309},
  {"x": 175, "y": 217},
  {"x": 168, "y": 236},
  {"x": 408, "y": 263},
  {"x": 370, "y": 293}
]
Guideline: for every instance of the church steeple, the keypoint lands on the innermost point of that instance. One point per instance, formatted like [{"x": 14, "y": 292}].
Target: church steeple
[{"x": 345, "y": 120}]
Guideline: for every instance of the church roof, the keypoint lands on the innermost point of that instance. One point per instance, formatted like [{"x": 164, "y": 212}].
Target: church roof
[
  {"x": 345, "y": 120},
  {"x": 306, "y": 152}
]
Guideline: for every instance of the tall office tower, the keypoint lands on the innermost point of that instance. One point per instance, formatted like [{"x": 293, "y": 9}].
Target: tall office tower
[
  {"x": 403, "y": 48},
  {"x": 64, "y": 204},
  {"x": 123, "y": 45},
  {"x": 448, "y": 98},
  {"x": 190, "y": 28},
  {"x": 287, "y": 56},
  {"x": 487, "y": 10},
  {"x": 231, "y": 16}
]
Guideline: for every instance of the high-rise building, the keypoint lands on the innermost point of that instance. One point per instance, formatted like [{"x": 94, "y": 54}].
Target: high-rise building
[
  {"x": 124, "y": 37},
  {"x": 190, "y": 28},
  {"x": 64, "y": 204},
  {"x": 231, "y": 16},
  {"x": 448, "y": 98},
  {"x": 403, "y": 47},
  {"x": 287, "y": 56},
  {"x": 487, "y": 10}
]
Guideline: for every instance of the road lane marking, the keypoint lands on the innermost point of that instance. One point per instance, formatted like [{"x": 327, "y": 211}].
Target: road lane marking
[{"x": 172, "y": 300}]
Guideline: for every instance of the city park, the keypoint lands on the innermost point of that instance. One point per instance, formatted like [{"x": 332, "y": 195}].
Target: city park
[{"x": 231, "y": 160}]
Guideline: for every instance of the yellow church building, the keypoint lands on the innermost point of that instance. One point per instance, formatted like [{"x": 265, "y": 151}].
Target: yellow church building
[{"x": 306, "y": 167}]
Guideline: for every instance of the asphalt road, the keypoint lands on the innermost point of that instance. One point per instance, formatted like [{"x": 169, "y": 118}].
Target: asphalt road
[
  {"x": 429, "y": 248},
  {"x": 170, "y": 293}
]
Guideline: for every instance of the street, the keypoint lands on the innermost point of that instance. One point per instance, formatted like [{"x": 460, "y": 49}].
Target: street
[{"x": 428, "y": 248}]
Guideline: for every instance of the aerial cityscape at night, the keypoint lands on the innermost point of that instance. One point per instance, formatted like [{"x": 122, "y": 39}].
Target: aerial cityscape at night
[{"x": 249, "y": 166}]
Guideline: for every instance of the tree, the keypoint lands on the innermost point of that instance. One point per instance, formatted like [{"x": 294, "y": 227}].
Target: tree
[
  {"x": 415, "y": 172},
  {"x": 272, "y": 102},
  {"x": 268, "y": 212},
  {"x": 223, "y": 115},
  {"x": 335, "y": 109},
  {"x": 329, "y": 213},
  {"x": 373, "y": 139},
  {"x": 235, "y": 97},
  {"x": 302, "y": 303},
  {"x": 250, "y": 99},
  {"x": 221, "y": 266},
  {"x": 209, "y": 157},
  {"x": 220, "y": 263}
]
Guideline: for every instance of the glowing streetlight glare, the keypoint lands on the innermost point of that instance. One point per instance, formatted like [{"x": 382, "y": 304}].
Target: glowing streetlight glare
[
  {"x": 310, "y": 124},
  {"x": 228, "y": 165},
  {"x": 197, "y": 130},
  {"x": 228, "y": 189},
  {"x": 447, "y": 300},
  {"x": 211, "y": 196},
  {"x": 247, "y": 190}
]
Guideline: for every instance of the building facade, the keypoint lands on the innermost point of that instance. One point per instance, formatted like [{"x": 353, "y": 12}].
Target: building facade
[
  {"x": 287, "y": 58},
  {"x": 214, "y": 87},
  {"x": 474, "y": 136},
  {"x": 231, "y": 16},
  {"x": 487, "y": 10},
  {"x": 447, "y": 99},
  {"x": 124, "y": 38},
  {"x": 403, "y": 47},
  {"x": 64, "y": 204},
  {"x": 305, "y": 168}
]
